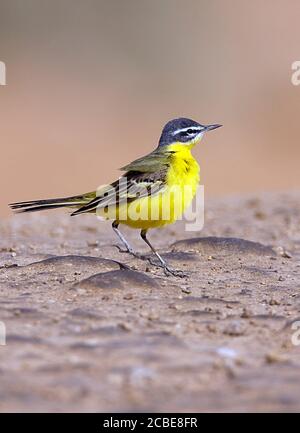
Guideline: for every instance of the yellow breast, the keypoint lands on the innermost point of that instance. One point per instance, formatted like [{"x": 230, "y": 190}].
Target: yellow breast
[
  {"x": 167, "y": 206},
  {"x": 184, "y": 169},
  {"x": 184, "y": 176}
]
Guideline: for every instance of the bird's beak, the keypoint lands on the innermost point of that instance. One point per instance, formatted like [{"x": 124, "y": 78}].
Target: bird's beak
[{"x": 211, "y": 127}]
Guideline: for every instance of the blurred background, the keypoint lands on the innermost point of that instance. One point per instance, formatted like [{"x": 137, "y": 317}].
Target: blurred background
[{"x": 90, "y": 83}]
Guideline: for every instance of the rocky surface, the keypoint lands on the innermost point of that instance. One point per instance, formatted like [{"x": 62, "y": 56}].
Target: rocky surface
[{"x": 91, "y": 329}]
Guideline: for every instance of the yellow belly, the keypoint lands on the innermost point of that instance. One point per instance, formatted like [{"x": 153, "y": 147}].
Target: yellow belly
[{"x": 169, "y": 204}]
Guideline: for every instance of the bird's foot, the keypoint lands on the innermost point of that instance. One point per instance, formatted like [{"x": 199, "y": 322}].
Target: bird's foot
[
  {"x": 175, "y": 272},
  {"x": 131, "y": 252},
  {"x": 167, "y": 270}
]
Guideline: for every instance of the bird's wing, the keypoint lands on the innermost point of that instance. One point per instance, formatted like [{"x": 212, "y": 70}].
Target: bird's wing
[
  {"x": 144, "y": 177},
  {"x": 150, "y": 163},
  {"x": 133, "y": 185}
]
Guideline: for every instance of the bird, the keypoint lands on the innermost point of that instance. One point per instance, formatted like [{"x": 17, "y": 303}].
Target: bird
[{"x": 154, "y": 190}]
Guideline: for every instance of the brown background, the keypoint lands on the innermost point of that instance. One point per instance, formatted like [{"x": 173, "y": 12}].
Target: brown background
[{"x": 91, "y": 83}]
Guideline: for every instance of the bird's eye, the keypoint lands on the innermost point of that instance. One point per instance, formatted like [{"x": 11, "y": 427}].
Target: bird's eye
[{"x": 187, "y": 132}]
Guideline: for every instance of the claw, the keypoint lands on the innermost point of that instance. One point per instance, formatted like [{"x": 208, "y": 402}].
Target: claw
[
  {"x": 155, "y": 263},
  {"x": 123, "y": 251},
  {"x": 131, "y": 252},
  {"x": 167, "y": 270},
  {"x": 175, "y": 272}
]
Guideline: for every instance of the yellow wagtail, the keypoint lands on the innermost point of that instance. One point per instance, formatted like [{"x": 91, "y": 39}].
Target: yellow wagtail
[{"x": 154, "y": 191}]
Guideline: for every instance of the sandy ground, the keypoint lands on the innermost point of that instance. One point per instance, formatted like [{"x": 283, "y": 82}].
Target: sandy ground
[{"x": 91, "y": 329}]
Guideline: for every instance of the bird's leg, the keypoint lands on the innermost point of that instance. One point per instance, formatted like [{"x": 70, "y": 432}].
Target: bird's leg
[
  {"x": 162, "y": 262},
  {"x": 128, "y": 247}
]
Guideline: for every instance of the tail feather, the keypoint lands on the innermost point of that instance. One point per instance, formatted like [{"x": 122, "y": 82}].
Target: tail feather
[{"x": 54, "y": 203}]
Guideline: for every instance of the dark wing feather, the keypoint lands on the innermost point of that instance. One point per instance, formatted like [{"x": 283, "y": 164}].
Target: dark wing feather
[
  {"x": 143, "y": 177},
  {"x": 128, "y": 188}
]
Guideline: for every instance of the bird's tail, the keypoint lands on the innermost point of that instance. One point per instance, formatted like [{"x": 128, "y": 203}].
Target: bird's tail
[{"x": 53, "y": 203}]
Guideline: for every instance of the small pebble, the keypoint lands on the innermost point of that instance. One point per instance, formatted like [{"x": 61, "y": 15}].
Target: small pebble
[
  {"x": 186, "y": 290},
  {"x": 235, "y": 329},
  {"x": 274, "y": 302},
  {"x": 246, "y": 314},
  {"x": 125, "y": 326},
  {"x": 272, "y": 358}
]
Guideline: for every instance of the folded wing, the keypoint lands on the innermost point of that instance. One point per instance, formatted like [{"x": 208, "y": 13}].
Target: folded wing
[{"x": 126, "y": 189}]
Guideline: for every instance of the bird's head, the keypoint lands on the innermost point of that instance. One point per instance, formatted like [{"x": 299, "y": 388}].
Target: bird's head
[{"x": 183, "y": 131}]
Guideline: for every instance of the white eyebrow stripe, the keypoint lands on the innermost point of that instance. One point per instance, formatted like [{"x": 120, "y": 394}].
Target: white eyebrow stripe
[{"x": 193, "y": 128}]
